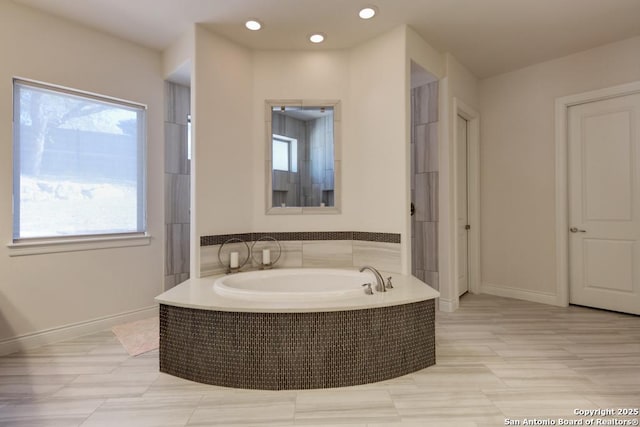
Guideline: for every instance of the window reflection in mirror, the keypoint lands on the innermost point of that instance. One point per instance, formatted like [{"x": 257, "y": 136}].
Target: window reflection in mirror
[
  {"x": 285, "y": 153},
  {"x": 302, "y": 150}
]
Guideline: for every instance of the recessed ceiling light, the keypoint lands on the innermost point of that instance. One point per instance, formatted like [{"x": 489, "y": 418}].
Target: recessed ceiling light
[
  {"x": 316, "y": 38},
  {"x": 367, "y": 12},
  {"x": 253, "y": 25}
]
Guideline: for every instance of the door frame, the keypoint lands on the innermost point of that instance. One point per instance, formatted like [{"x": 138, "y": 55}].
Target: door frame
[
  {"x": 562, "y": 105},
  {"x": 473, "y": 197}
]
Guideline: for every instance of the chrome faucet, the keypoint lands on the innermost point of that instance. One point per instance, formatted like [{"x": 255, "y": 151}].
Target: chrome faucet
[{"x": 380, "y": 287}]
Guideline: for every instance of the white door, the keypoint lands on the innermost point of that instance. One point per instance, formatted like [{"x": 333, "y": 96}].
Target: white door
[
  {"x": 462, "y": 198},
  {"x": 604, "y": 204}
]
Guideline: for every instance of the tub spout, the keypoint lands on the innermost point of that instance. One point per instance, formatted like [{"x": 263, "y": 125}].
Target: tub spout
[{"x": 380, "y": 287}]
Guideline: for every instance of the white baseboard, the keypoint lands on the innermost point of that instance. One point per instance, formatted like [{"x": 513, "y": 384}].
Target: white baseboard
[
  {"x": 503, "y": 291},
  {"x": 74, "y": 330}
]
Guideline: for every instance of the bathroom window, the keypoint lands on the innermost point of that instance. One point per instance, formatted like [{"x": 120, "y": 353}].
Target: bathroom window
[
  {"x": 78, "y": 164},
  {"x": 285, "y": 154}
]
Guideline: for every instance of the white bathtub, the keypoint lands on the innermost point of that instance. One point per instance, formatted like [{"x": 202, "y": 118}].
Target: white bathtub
[
  {"x": 294, "y": 290},
  {"x": 295, "y": 284}
]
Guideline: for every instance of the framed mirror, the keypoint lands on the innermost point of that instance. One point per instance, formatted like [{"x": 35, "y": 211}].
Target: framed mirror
[{"x": 303, "y": 156}]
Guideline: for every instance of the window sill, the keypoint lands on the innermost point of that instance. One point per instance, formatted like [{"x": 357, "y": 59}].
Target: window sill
[{"x": 37, "y": 247}]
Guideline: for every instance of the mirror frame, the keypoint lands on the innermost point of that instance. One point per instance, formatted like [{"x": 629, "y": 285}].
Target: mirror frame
[{"x": 337, "y": 158}]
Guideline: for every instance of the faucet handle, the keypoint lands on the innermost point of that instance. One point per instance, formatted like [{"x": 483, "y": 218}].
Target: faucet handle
[
  {"x": 389, "y": 285},
  {"x": 368, "y": 289}
]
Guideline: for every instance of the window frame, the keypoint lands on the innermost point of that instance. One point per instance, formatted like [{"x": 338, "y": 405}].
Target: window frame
[{"x": 51, "y": 244}]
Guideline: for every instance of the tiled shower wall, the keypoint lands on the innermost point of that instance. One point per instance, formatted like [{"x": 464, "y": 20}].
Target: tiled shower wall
[
  {"x": 177, "y": 182},
  {"x": 424, "y": 183},
  {"x": 287, "y": 185},
  {"x": 313, "y": 183},
  {"x": 320, "y": 162}
]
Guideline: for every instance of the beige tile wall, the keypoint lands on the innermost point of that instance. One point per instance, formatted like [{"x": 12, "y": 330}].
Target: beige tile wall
[{"x": 315, "y": 253}]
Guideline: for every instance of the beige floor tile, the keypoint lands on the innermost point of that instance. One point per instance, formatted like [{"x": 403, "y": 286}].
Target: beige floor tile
[
  {"x": 139, "y": 379},
  {"x": 53, "y": 421},
  {"x": 44, "y": 411},
  {"x": 534, "y": 352},
  {"x": 464, "y": 349},
  {"x": 108, "y": 385},
  {"x": 611, "y": 350},
  {"x": 535, "y": 375},
  {"x": 426, "y": 423},
  {"x": 147, "y": 362},
  {"x": 358, "y": 406},
  {"x": 445, "y": 406},
  {"x": 335, "y": 425},
  {"x": 612, "y": 375},
  {"x": 528, "y": 403},
  {"x": 100, "y": 391},
  {"x": 496, "y": 357},
  {"x": 70, "y": 369},
  {"x": 458, "y": 377},
  {"x": 245, "y": 409},
  {"x": 37, "y": 379},
  {"x": 143, "y": 412},
  {"x": 405, "y": 382},
  {"x": 168, "y": 385},
  {"x": 615, "y": 397},
  {"x": 20, "y": 391}
]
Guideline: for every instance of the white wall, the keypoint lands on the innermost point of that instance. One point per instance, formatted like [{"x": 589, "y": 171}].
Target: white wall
[
  {"x": 518, "y": 163},
  {"x": 369, "y": 82},
  {"x": 40, "y": 292},
  {"x": 222, "y": 193},
  {"x": 372, "y": 81},
  {"x": 308, "y": 75},
  {"x": 231, "y": 85},
  {"x": 177, "y": 59},
  {"x": 461, "y": 84},
  {"x": 420, "y": 52},
  {"x": 376, "y": 149},
  {"x": 455, "y": 81},
  {"x": 432, "y": 61}
]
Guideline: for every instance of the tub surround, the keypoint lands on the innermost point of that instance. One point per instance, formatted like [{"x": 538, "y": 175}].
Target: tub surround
[
  {"x": 199, "y": 294},
  {"x": 296, "y": 344},
  {"x": 340, "y": 249},
  {"x": 292, "y": 351}
]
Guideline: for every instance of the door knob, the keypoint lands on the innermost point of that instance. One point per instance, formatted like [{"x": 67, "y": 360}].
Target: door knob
[{"x": 577, "y": 230}]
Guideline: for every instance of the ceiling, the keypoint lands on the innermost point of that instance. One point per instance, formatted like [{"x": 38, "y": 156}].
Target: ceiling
[{"x": 487, "y": 36}]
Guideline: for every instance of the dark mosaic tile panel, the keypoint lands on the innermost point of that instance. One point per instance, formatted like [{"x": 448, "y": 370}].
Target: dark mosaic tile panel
[
  {"x": 327, "y": 235},
  {"x": 304, "y": 235},
  {"x": 307, "y": 235},
  {"x": 292, "y": 351},
  {"x": 376, "y": 237},
  {"x": 219, "y": 239}
]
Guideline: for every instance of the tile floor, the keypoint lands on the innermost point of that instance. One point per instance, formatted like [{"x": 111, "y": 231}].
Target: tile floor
[{"x": 497, "y": 360}]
